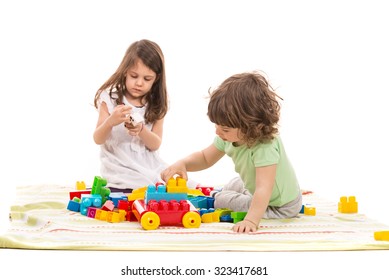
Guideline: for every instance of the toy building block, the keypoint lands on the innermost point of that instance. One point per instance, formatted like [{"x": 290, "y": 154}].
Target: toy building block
[
  {"x": 210, "y": 202},
  {"x": 123, "y": 215},
  {"x": 101, "y": 215},
  {"x": 89, "y": 200},
  {"x": 238, "y": 216},
  {"x": 137, "y": 194},
  {"x": 180, "y": 182},
  {"x": 136, "y": 118},
  {"x": 115, "y": 217},
  {"x": 223, "y": 211},
  {"x": 160, "y": 193},
  {"x": 98, "y": 183},
  {"x": 176, "y": 185},
  {"x": 348, "y": 205},
  {"x": 381, "y": 235},
  {"x": 126, "y": 206},
  {"x": 226, "y": 218},
  {"x": 224, "y": 214},
  {"x": 143, "y": 189},
  {"x": 203, "y": 211},
  {"x": 74, "y": 204},
  {"x": 116, "y": 196},
  {"x": 111, "y": 217},
  {"x": 108, "y": 206},
  {"x": 78, "y": 194},
  {"x": 195, "y": 192},
  {"x": 80, "y": 185},
  {"x": 99, "y": 187},
  {"x": 163, "y": 212},
  {"x": 106, "y": 215},
  {"x": 308, "y": 210},
  {"x": 204, "y": 190},
  {"x": 211, "y": 217},
  {"x": 91, "y": 213},
  {"x": 202, "y": 201},
  {"x": 218, "y": 215}
]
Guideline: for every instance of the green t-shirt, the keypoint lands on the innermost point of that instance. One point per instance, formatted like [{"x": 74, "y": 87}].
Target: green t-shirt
[{"x": 286, "y": 187}]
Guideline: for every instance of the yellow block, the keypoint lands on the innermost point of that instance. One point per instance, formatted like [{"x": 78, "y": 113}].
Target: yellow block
[
  {"x": 80, "y": 185},
  {"x": 381, "y": 235},
  {"x": 212, "y": 217},
  {"x": 348, "y": 205}
]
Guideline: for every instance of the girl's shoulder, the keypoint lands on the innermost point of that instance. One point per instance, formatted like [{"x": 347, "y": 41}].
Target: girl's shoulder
[
  {"x": 107, "y": 98},
  {"x": 106, "y": 95}
]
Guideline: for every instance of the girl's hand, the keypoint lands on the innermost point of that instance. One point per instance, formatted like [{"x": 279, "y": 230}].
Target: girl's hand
[
  {"x": 134, "y": 130},
  {"x": 120, "y": 114},
  {"x": 177, "y": 168},
  {"x": 245, "y": 226}
]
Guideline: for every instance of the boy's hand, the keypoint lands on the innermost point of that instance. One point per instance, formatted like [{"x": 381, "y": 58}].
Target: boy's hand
[
  {"x": 178, "y": 168},
  {"x": 245, "y": 226}
]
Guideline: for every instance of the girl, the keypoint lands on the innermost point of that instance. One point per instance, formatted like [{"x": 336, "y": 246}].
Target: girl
[
  {"x": 132, "y": 105},
  {"x": 246, "y": 112}
]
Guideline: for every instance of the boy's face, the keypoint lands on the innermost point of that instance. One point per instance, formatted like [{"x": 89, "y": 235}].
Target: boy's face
[{"x": 228, "y": 134}]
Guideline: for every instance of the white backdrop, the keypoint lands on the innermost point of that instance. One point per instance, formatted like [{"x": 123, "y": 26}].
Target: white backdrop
[{"x": 327, "y": 59}]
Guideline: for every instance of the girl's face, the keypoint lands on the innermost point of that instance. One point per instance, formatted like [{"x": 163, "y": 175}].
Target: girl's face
[
  {"x": 228, "y": 134},
  {"x": 139, "y": 80}
]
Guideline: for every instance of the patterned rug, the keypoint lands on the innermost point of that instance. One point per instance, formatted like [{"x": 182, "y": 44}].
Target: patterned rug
[{"x": 39, "y": 219}]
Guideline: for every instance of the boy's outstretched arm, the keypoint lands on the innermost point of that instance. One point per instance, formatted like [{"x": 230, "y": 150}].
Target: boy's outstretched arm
[
  {"x": 265, "y": 179},
  {"x": 195, "y": 162}
]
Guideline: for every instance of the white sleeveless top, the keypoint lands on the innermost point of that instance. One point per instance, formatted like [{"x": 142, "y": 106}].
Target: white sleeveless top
[{"x": 125, "y": 160}]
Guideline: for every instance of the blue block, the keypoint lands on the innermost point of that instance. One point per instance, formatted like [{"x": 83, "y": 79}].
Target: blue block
[
  {"x": 88, "y": 200},
  {"x": 74, "y": 206},
  {"x": 226, "y": 218},
  {"x": 158, "y": 194},
  {"x": 116, "y": 196}
]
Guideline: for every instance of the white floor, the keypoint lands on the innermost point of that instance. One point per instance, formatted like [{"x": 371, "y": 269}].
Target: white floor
[{"x": 109, "y": 265}]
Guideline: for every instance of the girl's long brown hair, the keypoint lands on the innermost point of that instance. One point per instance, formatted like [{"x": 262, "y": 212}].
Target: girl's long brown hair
[{"x": 151, "y": 55}]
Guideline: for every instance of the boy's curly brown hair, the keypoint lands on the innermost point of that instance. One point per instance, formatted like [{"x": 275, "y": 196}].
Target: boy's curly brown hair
[{"x": 248, "y": 102}]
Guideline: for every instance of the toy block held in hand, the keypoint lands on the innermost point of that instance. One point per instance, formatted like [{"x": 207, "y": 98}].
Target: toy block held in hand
[
  {"x": 176, "y": 185},
  {"x": 136, "y": 118}
]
